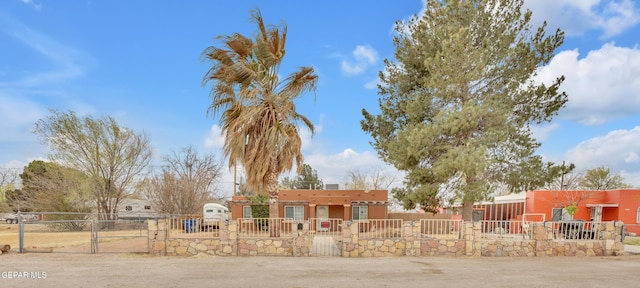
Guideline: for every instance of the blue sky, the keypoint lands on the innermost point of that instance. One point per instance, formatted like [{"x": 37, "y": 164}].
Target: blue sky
[{"x": 139, "y": 61}]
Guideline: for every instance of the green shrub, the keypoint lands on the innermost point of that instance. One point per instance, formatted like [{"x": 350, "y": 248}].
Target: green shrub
[{"x": 260, "y": 209}]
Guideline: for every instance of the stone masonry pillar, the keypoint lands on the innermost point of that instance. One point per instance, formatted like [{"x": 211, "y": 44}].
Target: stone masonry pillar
[{"x": 157, "y": 236}]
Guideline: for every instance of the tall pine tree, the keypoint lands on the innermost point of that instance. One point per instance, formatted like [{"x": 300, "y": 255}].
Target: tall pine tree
[{"x": 457, "y": 104}]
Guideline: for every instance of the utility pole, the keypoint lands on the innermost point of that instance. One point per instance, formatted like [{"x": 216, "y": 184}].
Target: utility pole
[{"x": 562, "y": 177}]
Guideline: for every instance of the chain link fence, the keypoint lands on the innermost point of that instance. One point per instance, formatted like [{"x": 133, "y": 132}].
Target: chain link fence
[{"x": 49, "y": 232}]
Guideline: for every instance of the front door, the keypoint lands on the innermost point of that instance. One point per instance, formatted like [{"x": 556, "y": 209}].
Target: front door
[{"x": 322, "y": 213}]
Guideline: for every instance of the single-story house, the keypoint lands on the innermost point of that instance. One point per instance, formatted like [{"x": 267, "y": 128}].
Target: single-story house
[
  {"x": 305, "y": 204},
  {"x": 551, "y": 205},
  {"x": 592, "y": 205}
]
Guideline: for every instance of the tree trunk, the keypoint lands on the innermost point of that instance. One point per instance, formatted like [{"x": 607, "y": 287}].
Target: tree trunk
[
  {"x": 467, "y": 211},
  {"x": 274, "y": 209}
]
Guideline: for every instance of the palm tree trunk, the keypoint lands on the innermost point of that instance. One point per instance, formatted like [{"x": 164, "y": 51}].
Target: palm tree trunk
[{"x": 272, "y": 190}]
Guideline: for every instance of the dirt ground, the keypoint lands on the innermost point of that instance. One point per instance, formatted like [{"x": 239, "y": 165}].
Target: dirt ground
[
  {"x": 38, "y": 238},
  {"x": 136, "y": 270}
]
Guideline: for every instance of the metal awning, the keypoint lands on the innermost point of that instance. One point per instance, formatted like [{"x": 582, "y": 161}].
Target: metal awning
[{"x": 611, "y": 205}]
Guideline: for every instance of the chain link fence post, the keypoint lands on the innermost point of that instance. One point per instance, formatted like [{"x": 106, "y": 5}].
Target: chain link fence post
[{"x": 20, "y": 232}]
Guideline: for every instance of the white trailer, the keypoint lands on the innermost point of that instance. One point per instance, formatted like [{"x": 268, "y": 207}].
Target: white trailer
[{"x": 213, "y": 214}]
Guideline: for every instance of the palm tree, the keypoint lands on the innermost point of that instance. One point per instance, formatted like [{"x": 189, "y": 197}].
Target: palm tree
[{"x": 256, "y": 108}]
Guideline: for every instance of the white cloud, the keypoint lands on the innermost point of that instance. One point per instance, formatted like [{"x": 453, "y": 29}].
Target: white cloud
[
  {"x": 68, "y": 62},
  {"x": 575, "y": 17},
  {"x": 363, "y": 57},
  {"x": 215, "y": 138},
  {"x": 14, "y": 164},
  {"x": 32, "y": 4},
  {"x": 373, "y": 84},
  {"x": 365, "y": 54},
  {"x": 632, "y": 178},
  {"x": 541, "y": 132},
  {"x": 18, "y": 111},
  {"x": 618, "y": 150},
  {"x": 333, "y": 168},
  {"x": 602, "y": 86},
  {"x": 350, "y": 68}
]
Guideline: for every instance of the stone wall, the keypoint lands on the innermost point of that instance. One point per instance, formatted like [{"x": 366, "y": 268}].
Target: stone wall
[{"x": 409, "y": 243}]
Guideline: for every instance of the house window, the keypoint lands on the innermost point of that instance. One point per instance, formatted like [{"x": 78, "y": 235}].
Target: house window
[
  {"x": 560, "y": 214},
  {"x": 294, "y": 212},
  {"x": 638, "y": 215},
  {"x": 246, "y": 212},
  {"x": 147, "y": 207},
  {"x": 360, "y": 213},
  {"x": 128, "y": 208}
]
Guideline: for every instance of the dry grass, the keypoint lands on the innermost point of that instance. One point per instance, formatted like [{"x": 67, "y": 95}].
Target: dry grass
[
  {"x": 632, "y": 240},
  {"x": 38, "y": 236}
]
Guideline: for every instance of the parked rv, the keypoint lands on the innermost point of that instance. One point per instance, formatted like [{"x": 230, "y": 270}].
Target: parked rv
[
  {"x": 213, "y": 214},
  {"x": 136, "y": 209}
]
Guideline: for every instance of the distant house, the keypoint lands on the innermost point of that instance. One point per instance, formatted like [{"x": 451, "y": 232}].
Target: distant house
[
  {"x": 136, "y": 209},
  {"x": 305, "y": 204},
  {"x": 551, "y": 205},
  {"x": 596, "y": 205}
]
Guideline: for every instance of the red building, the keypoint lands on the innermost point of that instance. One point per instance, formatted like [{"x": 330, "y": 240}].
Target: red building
[
  {"x": 554, "y": 205},
  {"x": 305, "y": 204},
  {"x": 592, "y": 205}
]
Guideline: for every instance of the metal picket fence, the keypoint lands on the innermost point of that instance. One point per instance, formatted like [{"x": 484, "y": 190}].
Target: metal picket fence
[
  {"x": 441, "y": 229},
  {"x": 379, "y": 228},
  {"x": 506, "y": 229}
]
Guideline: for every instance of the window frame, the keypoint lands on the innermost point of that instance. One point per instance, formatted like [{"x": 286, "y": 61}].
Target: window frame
[
  {"x": 359, "y": 208},
  {"x": 295, "y": 213},
  {"x": 638, "y": 215},
  {"x": 244, "y": 211},
  {"x": 564, "y": 215}
]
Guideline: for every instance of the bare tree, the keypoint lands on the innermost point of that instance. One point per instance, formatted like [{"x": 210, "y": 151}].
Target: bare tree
[
  {"x": 111, "y": 155},
  {"x": 600, "y": 178},
  {"x": 373, "y": 179},
  {"x": 243, "y": 188},
  {"x": 569, "y": 200},
  {"x": 570, "y": 181},
  {"x": 187, "y": 182}
]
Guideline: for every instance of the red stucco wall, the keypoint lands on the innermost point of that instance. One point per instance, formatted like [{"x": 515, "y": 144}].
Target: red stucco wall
[
  {"x": 337, "y": 200},
  {"x": 627, "y": 200}
]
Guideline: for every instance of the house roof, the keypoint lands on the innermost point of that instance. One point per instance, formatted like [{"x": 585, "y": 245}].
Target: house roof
[{"x": 328, "y": 197}]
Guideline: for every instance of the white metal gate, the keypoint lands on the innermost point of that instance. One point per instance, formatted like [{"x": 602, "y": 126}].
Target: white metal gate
[{"x": 326, "y": 236}]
